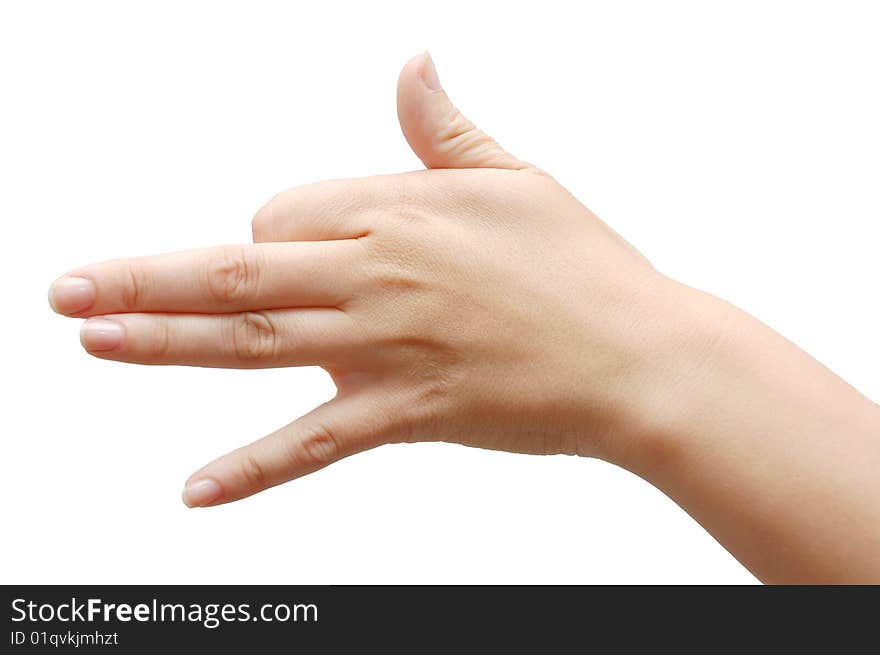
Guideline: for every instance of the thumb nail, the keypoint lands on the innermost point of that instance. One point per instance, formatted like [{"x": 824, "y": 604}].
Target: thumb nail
[{"x": 429, "y": 73}]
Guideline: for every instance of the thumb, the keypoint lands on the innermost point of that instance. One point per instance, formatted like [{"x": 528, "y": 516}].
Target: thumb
[{"x": 436, "y": 131}]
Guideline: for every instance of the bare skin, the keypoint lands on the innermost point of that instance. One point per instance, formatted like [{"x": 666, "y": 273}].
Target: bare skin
[{"x": 478, "y": 302}]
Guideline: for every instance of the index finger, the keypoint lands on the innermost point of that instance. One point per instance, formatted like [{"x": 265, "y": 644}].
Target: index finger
[{"x": 214, "y": 280}]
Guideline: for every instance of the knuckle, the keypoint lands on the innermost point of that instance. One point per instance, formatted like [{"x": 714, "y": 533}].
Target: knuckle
[
  {"x": 254, "y": 337},
  {"x": 232, "y": 274},
  {"x": 433, "y": 391},
  {"x": 317, "y": 445},
  {"x": 459, "y": 136},
  {"x": 161, "y": 345},
  {"x": 253, "y": 473},
  {"x": 399, "y": 277},
  {"x": 454, "y": 126},
  {"x": 134, "y": 289}
]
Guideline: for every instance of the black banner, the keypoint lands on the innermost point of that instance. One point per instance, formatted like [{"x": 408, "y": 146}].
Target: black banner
[{"x": 270, "y": 619}]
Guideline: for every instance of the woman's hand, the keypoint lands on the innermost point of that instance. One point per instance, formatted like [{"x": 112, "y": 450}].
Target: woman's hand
[{"x": 480, "y": 304}]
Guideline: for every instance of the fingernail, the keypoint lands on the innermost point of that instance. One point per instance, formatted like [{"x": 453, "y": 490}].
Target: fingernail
[
  {"x": 100, "y": 334},
  {"x": 199, "y": 493},
  {"x": 429, "y": 73},
  {"x": 69, "y": 295}
]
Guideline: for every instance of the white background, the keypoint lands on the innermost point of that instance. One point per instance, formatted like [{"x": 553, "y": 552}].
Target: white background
[{"x": 736, "y": 144}]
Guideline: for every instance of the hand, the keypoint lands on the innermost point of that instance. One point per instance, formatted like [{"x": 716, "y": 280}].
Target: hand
[{"x": 478, "y": 303}]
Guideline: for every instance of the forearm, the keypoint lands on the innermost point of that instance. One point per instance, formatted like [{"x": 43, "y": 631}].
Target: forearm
[{"x": 772, "y": 453}]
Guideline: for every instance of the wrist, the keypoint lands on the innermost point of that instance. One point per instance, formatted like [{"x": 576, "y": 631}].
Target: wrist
[
  {"x": 684, "y": 355},
  {"x": 759, "y": 443}
]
